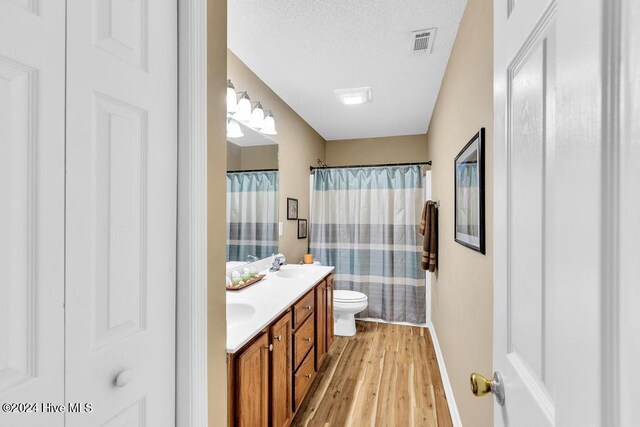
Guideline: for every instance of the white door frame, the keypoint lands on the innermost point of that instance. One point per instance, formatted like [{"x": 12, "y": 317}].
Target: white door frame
[
  {"x": 191, "y": 298},
  {"x": 620, "y": 210}
]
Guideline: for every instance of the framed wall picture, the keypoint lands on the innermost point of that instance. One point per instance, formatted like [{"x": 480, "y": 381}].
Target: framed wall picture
[
  {"x": 292, "y": 208},
  {"x": 302, "y": 229},
  {"x": 469, "y": 194}
]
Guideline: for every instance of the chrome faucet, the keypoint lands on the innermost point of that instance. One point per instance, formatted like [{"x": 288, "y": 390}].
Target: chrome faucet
[{"x": 278, "y": 262}]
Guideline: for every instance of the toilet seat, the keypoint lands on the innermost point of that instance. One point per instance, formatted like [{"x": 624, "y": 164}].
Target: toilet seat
[{"x": 348, "y": 297}]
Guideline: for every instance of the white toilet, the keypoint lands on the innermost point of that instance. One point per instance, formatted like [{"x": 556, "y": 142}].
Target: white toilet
[{"x": 346, "y": 304}]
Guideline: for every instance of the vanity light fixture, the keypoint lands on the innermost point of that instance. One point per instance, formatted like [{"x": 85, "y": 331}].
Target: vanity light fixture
[
  {"x": 257, "y": 117},
  {"x": 354, "y": 96},
  {"x": 233, "y": 129},
  {"x": 269, "y": 125},
  {"x": 244, "y": 108},
  {"x": 232, "y": 102},
  {"x": 240, "y": 110}
]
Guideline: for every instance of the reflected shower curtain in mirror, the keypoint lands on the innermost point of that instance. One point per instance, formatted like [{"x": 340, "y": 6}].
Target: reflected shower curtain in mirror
[
  {"x": 365, "y": 222},
  {"x": 467, "y": 202},
  {"x": 252, "y": 214}
]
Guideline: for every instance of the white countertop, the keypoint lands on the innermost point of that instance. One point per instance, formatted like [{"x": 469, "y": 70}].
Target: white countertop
[{"x": 269, "y": 298}]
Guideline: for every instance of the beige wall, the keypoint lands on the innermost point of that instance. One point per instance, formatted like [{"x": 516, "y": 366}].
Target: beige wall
[
  {"x": 216, "y": 191},
  {"x": 299, "y": 147},
  {"x": 250, "y": 158},
  {"x": 393, "y": 149},
  {"x": 234, "y": 157},
  {"x": 463, "y": 290},
  {"x": 260, "y": 157}
]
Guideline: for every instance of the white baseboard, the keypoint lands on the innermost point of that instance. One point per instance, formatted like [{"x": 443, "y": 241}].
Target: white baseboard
[
  {"x": 370, "y": 319},
  {"x": 448, "y": 390}
]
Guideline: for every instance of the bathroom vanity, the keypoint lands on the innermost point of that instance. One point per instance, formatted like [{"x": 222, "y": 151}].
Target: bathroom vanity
[{"x": 278, "y": 334}]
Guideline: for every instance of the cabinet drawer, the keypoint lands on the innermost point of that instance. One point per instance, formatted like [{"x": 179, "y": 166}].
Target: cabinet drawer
[
  {"x": 303, "y": 379},
  {"x": 303, "y": 309},
  {"x": 303, "y": 340}
]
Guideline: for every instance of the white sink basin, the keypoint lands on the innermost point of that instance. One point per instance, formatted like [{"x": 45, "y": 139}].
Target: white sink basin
[
  {"x": 290, "y": 272},
  {"x": 238, "y": 312}
]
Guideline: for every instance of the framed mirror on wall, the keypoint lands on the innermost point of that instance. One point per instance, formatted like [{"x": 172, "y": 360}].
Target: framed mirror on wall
[
  {"x": 469, "y": 194},
  {"x": 252, "y": 197}
]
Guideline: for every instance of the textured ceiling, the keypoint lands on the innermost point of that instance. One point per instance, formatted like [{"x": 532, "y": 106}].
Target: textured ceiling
[{"x": 304, "y": 50}]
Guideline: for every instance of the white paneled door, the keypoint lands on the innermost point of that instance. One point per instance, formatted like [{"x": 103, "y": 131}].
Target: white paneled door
[
  {"x": 31, "y": 209},
  {"x": 551, "y": 332},
  {"x": 121, "y": 177},
  {"x": 524, "y": 331}
]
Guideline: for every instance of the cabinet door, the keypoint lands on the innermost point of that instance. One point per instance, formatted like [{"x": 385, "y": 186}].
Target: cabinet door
[
  {"x": 329, "y": 312},
  {"x": 321, "y": 323},
  {"x": 281, "y": 372},
  {"x": 252, "y": 384}
]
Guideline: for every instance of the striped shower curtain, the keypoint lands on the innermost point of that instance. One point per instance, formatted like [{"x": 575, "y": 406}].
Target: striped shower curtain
[
  {"x": 365, "y": 222},
  {"x": 252, "y": 214},
  {"x": 467, "y": 202}
]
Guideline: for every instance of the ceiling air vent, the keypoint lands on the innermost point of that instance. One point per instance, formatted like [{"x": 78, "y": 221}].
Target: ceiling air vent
[{"x": 422, "y": 40}]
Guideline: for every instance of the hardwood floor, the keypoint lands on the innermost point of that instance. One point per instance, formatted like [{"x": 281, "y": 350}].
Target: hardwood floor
[{"x": 386, "y": 375}]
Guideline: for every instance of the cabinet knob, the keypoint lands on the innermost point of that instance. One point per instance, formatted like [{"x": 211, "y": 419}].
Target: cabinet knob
[
  {"x": 308, "y": 375},
  {"x": 308, "y": 307},
  {"x": 122, "y": 379},
  {"x": 269, "y": 347},
  {"x": 307, "y": 339},
  {"x": 279, "y": 337}
]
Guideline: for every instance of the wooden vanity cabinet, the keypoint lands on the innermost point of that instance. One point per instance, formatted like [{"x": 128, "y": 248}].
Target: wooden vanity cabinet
[
  {"x": 329, "y": 311},
  {"x": 304, "y": 341},
  {"x": 321, "y": 323},
  {"x": 252, "y": 384},
  {"x": 303, "y": 309},
  {"x": 303, "y": 378},
  {"x": 281, "y": 371},
  {"x": 270, "y": 376}
]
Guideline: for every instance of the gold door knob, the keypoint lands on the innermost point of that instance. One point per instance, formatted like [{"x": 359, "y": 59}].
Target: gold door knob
[{"x": 481, "y": 386}]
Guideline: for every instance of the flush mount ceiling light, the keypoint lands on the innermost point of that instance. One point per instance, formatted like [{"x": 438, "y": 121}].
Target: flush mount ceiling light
[
  {"x": 233, "y": 129},
  {"x": 354, "y": 96},
  {"x": 269, "y": 125},
  {"x": 232, "y": 102},
  {"x": 257, "y": 117},
  {"x": 244, "y": 108}
]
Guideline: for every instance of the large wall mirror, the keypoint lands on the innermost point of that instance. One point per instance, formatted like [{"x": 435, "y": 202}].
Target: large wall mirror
[{"x": 252, "y": 197}]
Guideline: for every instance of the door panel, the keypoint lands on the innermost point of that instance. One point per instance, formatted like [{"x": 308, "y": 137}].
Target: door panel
[
  {"x": 549, "y": 239},
  {"x": 32, "y": 67},
  {"x": 281, "y": 372},
  {"x": 524, "y": 318},
  {"x": 121, "y": 211},
  {"x": 321, "y": 323},
  {"x": 330, "y": 323},
  {"x": 120, "y": 220},
  {"x": 252, "y": 384},
  {"x": 531, "y": 87}
]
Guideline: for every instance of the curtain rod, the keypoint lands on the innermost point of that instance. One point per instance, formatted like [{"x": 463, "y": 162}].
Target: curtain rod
[
  {"x": 312, "y": 168},
  {"x": 254, "y": 170}
]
